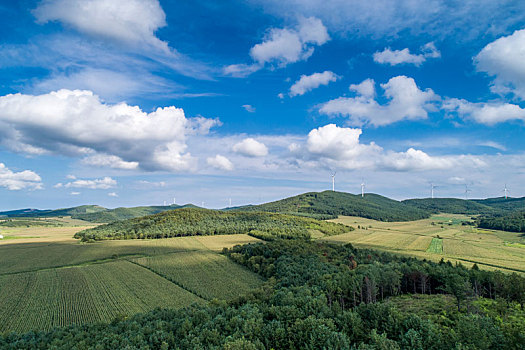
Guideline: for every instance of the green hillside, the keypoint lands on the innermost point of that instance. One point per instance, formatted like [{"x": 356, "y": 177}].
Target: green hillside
[
  {"x": 329, "y": 204},
  {"x": 503, "y": 204},
  {"x": 451, "y": 205},
  {"x": 32, "y": 213},
  {"x": 117, "y": 214},
  {"x": 191, "y": 221}
]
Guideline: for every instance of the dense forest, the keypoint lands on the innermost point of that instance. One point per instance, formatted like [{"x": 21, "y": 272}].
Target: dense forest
[
  {"x": 191, "y": 221},
  {"x": 451, "y": 206},
  {"x": 330, "y": 204},
  {"x": 320, "y": 296},
  {"x": 514, "y": 222}
]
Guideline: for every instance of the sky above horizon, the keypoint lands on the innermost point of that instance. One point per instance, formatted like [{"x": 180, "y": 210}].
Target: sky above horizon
[{"x": 141, "y": 102}]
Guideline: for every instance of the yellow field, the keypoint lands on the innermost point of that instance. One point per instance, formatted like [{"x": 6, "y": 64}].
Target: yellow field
[
  {"x": 49, "y": 279},
  {"x": 465, "y": 244}
]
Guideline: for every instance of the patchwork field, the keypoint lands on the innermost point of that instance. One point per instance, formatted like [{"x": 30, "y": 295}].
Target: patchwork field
[
  {"x": 441, "y": 236},
  {"x": 53, "y": 280}
]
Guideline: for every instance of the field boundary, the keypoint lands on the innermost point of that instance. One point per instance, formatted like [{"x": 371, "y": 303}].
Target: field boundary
[{"x": 170, "y": 280}]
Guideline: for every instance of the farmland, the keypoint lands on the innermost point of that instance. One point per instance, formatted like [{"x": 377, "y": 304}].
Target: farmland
[
  {"x": 49, "y": 279},
  {"x": 441, "y": 236}
]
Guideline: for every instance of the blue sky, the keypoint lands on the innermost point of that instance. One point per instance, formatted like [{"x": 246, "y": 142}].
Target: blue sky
[{"x": 129, "y": 102}]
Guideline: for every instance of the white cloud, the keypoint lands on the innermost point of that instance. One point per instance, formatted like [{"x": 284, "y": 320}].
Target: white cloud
[
  {"x": 395, "y": 57},
  {"x": 15, "y": 181},
  {"x": 309, "y": 82},
  {"x": 251, "y": 148},
  {"x": 104, "y": 160},
  {"x": 220, "y": 162},
  {"x": 504, "y": 59},
  {"x": 249, "y": 108},
  {"x": 405, "y": 102},
  {"x": 150, "y": 184},
  {"x": 74, "y": 193},
  {"x": 131, "y": 21},
  {"x": 112, "y": 194},
  {"x": 457, "y": 20},
  {"x": 338, "y": 147},
  {"x": 366, "y": 88},
  {"x": 240, "y": 70},
  {"x": 95, "y": 184},
  {"x": 78, "y": 123},
  {"x": 485, "y": 113},
  {"x": 282, "y": 46}
]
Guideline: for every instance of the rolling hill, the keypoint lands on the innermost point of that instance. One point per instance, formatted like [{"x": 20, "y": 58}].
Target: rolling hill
[
  {"x": 451, "y": 205},
  {"x": 93, "y": 213},
  {"x": 33, "y": 213},
  {"x": 329, "y": 204},
  {"x": 193, "y": 222}
]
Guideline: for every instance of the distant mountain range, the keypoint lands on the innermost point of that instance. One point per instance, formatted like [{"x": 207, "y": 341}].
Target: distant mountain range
[
  {"x": 319, "y": 205},
  {"x": 93, "y": 213}
]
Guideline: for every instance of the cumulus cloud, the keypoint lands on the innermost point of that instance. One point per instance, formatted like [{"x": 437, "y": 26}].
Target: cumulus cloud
[
  {"x": 504, "y": 59},
  {"x": 112, "y": 194},
  {"x": 77, "y": 123},
  {"x": 130, "y": 21},
  {"x": 395, "y": 57},
  {"x": 251, "y": 148},
  {"x": 339, "y": 147},
  {"x": 249, "y": 108},
  {"x": 282, "y": 46},
  {"x": 309, "y": 82},
  {"x": 95, "y": 184},
  {"x": 485, "y": 113},
  {"x": 15, "y": 181},
  {"x": 220, "y": 162},
  {"x": 405, "y": 102}
]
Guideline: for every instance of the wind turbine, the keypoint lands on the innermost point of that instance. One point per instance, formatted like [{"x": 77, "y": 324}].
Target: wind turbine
[
  {"x": 506, "y": 190},
  {"x": 432, "y": 187},
  {"x": 230, "y": 203},
  {"x": 363, "y": 189},
  {"x": 333, "y": 180},
  {"x": 467, "y": 191}
]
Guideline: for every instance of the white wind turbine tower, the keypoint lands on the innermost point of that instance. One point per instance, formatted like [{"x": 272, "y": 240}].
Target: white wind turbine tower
[
  {"x": 467, "y": 191},
  {"x": 506, "y": 190},
  {"x": 432, "y": 187},
  {"x": 230, "y": 202},
  {"x": 333, "y": 180},
  {"x": 363, "y": 189}
]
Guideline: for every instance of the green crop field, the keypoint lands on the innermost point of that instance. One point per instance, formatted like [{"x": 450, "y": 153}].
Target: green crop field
[
  {"x": 206, "y": 274},
  {"x": 436, "y": 246},
  {"x": 49, "y": 279},
  {"x": 59, "y": 297},
  {"x": 457, "y": 242}
]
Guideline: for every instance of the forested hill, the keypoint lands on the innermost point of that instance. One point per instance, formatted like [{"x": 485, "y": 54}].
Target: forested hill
[
  {"x": 451, "y": 205},
  {"x": 93, "y": 213},
  {"x": 503, "y": 204},
  {"x": 117, "y": 214},
  {"x": 191, "y": 221},
  {"x": 80, "y": 210},
  {"x": 329, "y": 204}
]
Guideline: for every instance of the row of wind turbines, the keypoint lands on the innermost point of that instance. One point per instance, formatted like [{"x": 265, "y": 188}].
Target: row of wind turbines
[{"x": 432, "y": 187}]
